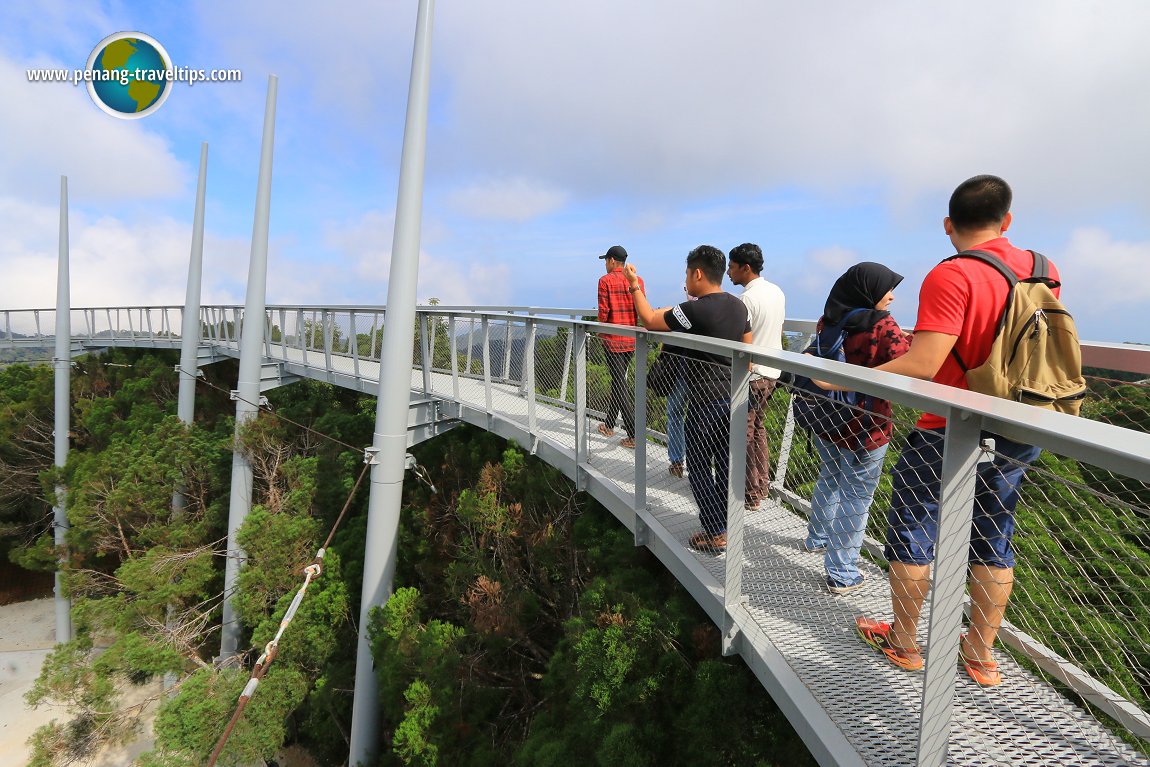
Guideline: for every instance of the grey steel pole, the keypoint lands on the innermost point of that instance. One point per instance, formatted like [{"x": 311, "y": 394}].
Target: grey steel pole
[
  {"x": 247, "y": 394},
  {"x": 190, "y": 338},
  {"x": 190, "y": 333},
  {"x": 961, "y": 454},
  {"x": 62, "y": 364},
  {"x": 736, "y": 495},
  {"x": 390, "y": 440}
]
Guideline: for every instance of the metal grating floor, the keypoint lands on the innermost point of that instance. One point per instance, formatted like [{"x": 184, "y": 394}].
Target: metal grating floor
[{"x": 1023, "y": 722}]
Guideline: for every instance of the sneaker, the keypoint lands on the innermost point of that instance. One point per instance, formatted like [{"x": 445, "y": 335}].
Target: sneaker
[
  {"x": 813, "y": 549},
  {"x": 876, "y": 634},
  {"x": 985, "y": 673},
  {"x": 836, "y": 588},
  {"x": 707, "y": 543}
]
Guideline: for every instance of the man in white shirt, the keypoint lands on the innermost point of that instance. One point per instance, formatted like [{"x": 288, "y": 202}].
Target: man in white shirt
[{"x": 766, "y": 306}]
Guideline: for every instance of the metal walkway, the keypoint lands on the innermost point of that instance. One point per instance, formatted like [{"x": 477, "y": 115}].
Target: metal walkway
[
  {"x": 791, "y": 613},
  {"x": 849, "y": 705}
]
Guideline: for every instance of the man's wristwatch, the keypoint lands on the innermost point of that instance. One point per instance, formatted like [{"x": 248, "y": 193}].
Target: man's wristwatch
[{"x": 633, "y": 289}]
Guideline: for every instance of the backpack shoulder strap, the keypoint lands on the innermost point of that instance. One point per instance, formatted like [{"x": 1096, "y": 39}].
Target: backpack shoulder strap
[
  {"x": 1011, "y": 279},
  {"x": 1041, "y": 265},
  {"x": 992, "y": 260},
  {"x": 835, "y": 334},
  {"x": 1042, "y": 271}
]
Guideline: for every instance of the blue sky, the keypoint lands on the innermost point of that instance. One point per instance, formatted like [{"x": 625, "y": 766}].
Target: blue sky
[{"x": 829, "y": 133}]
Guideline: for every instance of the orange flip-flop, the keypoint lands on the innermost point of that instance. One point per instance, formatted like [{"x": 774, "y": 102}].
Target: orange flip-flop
[
  {"x": 985, "y": 673},
  {"x": 877, "y": 635}
]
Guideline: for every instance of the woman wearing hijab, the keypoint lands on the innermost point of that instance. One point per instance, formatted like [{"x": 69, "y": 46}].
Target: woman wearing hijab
[{"x": 851, "y": 464}]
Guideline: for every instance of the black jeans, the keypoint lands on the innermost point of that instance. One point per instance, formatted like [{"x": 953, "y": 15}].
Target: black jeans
[
  {"x": 620, "y": 402},
  {"x": 709, "y": 460}
]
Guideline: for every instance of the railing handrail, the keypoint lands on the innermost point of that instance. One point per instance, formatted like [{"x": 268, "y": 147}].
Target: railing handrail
[
  {"x": 1124, "y": 450},
  {"x": 340, "y": 307},
  {"x": 514, "y": 310},
  {"x": 1125, "y": 356},
  {"x": 1110, "y": 447}
]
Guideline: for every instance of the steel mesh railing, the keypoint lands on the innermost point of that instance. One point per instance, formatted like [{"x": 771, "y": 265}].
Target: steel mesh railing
[
  {"x": 136, "y": 324},
  {"x": 1082, "y": 577},
  {"x": 1077, "y": 616},
  {"x": 552, "y": 357}
]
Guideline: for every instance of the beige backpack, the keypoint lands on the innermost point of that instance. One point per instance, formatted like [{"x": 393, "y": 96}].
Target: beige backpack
[{"x": 1036, "y": 356}]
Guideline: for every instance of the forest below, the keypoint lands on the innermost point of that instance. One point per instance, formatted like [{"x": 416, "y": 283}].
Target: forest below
[{"x": 525, "y": 628}]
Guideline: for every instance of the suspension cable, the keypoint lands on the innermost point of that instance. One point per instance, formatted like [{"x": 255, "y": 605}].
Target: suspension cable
[
  {"x": 311, "y": 572},
  {"x": 271, "y": 649}
]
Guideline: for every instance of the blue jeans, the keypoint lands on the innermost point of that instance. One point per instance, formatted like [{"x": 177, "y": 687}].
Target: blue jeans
[
  {"x": 912, "y": 520},
  {"x": 709, "y": 460},
  {"x": 840, "y": 506},
  {"x": 676, "y": 414}
]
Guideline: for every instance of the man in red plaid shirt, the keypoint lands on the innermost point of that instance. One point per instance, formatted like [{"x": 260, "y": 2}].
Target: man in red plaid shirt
[{"x": 617, "y": 306}]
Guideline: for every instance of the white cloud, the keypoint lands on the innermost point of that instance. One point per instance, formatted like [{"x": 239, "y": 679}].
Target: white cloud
[
  {"x": 111, "y": 262},
  {"x": 688, "y": 98},
  {"x": 1102, "y": 280},
  {"x": 63, "y": 24},
  {"x": 469, "y": 284},
  {"x": 556, "y": 130},
  {"x": 55, "y": 130},
  {"x": 822, "y": 267},
  {"x": 347, "y": 62},
  {"x": 363, "y": 245},
  {"x": 510, "y": 199}
]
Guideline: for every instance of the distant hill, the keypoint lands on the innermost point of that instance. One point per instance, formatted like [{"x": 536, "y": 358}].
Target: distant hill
[
  {"x": 27, "y": 354},
  {"x": 501, "y": 345}
]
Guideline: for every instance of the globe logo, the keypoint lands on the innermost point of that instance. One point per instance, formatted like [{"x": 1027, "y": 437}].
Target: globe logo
[{"x": 129, "y": 75}]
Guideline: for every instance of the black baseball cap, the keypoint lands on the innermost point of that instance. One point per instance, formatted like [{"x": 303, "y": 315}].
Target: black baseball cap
[{"x": 617, "y": 252}]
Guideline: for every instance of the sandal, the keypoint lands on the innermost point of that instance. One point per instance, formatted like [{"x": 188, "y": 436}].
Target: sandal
[
  {"x": 676, "y": 469},
  {"x": 627, "y": 442},
  {"x": 985, "y": 673},
  {"x": 606, "y": 431},
  {"x": 877, "y": 635}
]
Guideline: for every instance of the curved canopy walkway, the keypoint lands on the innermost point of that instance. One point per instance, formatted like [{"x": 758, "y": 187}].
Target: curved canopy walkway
[{"x": 535, "y": 376}]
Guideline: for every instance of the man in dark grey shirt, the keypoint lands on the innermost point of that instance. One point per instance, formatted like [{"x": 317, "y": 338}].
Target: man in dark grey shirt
[{"x": 717, "y": 314}]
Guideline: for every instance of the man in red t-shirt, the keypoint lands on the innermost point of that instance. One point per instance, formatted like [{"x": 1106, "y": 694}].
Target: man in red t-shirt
[
  {"x": 617, "y": 306},
  {"x": 959, "y": 306}
]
